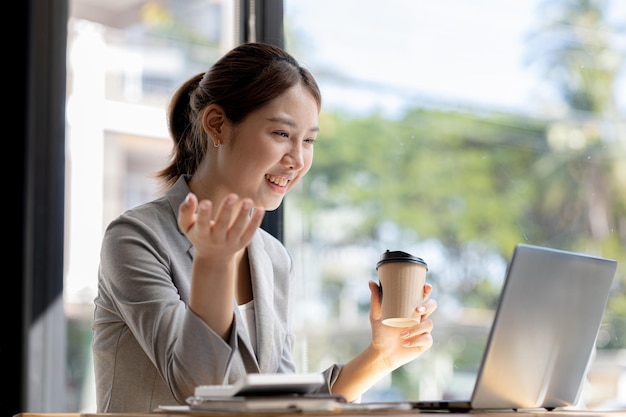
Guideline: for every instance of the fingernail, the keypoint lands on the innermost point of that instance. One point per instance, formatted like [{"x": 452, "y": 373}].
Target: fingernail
[
  {"x": 421, "y": 309},
  {"x": 232, "y": 199},
  {"x": 187, "y": 198},
  {"x": 404, "y": 333}
]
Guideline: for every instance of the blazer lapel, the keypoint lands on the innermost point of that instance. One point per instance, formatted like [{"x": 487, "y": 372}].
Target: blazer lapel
[{"x": 268, "y": 337}]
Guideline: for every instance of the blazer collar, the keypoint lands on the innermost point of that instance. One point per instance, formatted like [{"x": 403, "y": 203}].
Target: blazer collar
[{"x": 175, "y": 197}]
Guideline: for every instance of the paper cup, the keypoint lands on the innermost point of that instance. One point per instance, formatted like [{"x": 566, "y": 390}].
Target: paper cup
[{"x": 401, "y": 278}]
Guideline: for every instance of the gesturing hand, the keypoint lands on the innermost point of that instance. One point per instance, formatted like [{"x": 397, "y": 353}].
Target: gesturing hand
[{"x": 222, "y": 235}]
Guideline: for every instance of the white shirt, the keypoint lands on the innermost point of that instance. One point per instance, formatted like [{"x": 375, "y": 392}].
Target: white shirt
[{"x": 247, "y": 313}]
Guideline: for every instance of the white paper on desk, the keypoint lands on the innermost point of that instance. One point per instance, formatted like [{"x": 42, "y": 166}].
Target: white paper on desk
[
  {"x": 378, "y": 406},
  {"x": 173, "y": 408},
  {"x": 278, "y": 403},
  {"x": 264, "y": 384}
]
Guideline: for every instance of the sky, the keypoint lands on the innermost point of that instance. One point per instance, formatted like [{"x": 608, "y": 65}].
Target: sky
[{"x": 469, "y": 53}]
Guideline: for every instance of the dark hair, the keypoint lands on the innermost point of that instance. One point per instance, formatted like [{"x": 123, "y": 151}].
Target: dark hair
[{"x": 243, "y": 80}]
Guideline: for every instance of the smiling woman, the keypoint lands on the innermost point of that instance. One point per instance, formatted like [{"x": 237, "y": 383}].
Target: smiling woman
[{"x": 176, "y": 310}]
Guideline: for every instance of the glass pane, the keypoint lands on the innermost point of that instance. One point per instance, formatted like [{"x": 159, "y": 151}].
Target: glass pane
[
  {"x": 125, "y": 58},
  {"x": 453, "y": 130}
]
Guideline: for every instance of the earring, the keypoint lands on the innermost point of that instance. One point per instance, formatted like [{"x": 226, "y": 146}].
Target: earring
[{"x": 217, "y": 144}]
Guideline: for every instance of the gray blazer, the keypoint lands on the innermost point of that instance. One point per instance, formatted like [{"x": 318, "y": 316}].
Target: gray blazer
[{"x": 149, "y": 349}]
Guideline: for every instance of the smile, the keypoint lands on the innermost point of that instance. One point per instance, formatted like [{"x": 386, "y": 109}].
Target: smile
[{"x": 280, "y": 181}]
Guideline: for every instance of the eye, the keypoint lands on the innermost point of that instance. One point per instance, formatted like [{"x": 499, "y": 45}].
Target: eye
[
  {"x": 310, "y": 141},
  {"x": 283, "y": 134}
]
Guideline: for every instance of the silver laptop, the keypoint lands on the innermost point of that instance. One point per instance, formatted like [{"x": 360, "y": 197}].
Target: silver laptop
[{"x": 543, "y": 334}]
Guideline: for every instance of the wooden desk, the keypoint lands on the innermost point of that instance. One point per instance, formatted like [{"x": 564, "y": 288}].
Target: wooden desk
[{"x": 567, "y": 413}]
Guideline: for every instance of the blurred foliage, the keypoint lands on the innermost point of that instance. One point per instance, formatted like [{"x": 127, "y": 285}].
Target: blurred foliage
[
  {"x": 449, "y": 176},
  {"x": 461, "y": 178}
]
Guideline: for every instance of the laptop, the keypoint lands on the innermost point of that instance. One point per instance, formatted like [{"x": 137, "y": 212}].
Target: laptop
[{"x": 543, "y": 333}]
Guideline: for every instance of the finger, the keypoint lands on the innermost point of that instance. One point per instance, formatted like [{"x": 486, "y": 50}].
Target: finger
[
  {"x": 186, "y": 212},
  {"x": 241, "y": 220},
  {"x": 428, "y": 288},
  {"x": 427, "y": 308},
  {"x": 203, "y": 219},
  {"x": 423, "y": 342},
  {"x": 255, "y": 222},
  {"x": 414, "y": 333},
  {"x": 224, "y": 214},
  {"x": 425, "y": 326},
  {"x": 375, "y": 308}
]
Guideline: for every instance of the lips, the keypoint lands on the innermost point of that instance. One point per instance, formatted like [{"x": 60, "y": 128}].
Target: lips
[{"x": 280, "y": 181}]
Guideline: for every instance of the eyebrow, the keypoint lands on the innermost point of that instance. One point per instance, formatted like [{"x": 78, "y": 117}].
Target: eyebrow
[{"x": 290, "y": 122}]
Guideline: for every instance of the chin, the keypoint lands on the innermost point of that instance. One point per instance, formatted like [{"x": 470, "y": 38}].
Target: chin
[{"x": 272, "y": 205}]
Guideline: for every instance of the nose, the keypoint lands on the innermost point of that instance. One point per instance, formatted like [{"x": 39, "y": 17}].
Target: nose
[{"x": 294, "y": 158}]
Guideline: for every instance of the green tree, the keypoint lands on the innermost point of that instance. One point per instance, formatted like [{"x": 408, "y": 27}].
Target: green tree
[
  {"x": 453, "y": 177},
  {"x": 582, "y": 182}
]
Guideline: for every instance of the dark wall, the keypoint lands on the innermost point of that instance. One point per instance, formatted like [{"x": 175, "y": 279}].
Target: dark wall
[
  {"x": 12, "y": 344},
  {"x": 39, "y": 74}
]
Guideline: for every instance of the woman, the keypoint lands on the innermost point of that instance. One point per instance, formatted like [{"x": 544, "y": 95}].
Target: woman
[{"x": 191, "y": 291}]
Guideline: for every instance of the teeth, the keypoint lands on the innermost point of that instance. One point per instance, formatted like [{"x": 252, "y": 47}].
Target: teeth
[{"x": 277, "y": 180}]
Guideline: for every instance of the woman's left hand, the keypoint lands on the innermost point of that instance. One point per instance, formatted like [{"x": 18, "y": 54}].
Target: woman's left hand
[{"x": 400, "y": 345}]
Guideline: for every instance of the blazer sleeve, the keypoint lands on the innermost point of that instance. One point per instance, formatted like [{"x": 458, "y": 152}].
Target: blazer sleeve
[{"x": 141, "y": 319}]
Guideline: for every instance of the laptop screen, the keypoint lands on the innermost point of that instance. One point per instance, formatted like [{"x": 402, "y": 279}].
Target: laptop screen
[{"x": 544, "y": 331}]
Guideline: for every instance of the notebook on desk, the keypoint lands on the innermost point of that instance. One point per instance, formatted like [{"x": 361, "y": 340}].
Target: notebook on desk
[{"x": 543, "y": 333}]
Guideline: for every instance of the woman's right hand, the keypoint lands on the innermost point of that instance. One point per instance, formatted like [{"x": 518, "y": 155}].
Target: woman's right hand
[{"x": 222, "y": 235}]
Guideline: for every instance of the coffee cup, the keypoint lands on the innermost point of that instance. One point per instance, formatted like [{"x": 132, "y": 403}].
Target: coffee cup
[{"x": 401, "y": 279}]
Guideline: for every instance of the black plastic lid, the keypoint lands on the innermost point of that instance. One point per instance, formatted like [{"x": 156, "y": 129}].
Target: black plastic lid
[{"x": 399, "y": 256}]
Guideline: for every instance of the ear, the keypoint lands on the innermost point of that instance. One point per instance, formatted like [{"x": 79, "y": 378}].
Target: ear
[{"x": 213, "y": 120}]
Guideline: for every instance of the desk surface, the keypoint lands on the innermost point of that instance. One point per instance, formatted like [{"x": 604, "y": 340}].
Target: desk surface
[{"x": 556, "y": 413}]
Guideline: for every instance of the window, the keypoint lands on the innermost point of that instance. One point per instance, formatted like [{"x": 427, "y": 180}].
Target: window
[
  {"x": 449, "y": 130},
  {"x": 453, "y": 131}
]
